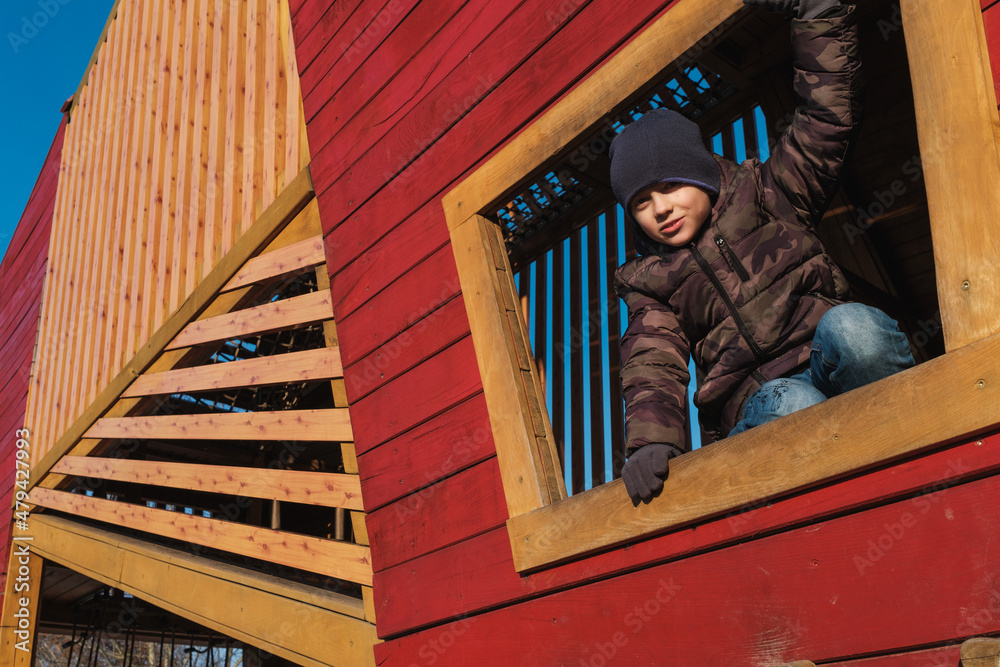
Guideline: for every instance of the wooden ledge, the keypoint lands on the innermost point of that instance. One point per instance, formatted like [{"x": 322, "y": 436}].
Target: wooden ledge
[
  {"x": 981, "y": 652},
  {"x": 935, "y": 403}
]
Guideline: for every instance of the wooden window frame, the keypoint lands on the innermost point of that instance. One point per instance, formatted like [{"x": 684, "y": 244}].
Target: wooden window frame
[{"x": 938, "y": 402}]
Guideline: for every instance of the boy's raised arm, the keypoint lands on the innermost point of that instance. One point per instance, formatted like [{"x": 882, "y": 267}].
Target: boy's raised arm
[{"x": 805, "y": 164}]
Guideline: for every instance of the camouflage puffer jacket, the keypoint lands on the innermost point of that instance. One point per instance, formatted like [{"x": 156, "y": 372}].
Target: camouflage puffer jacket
[{"x": 744, "y": 297}]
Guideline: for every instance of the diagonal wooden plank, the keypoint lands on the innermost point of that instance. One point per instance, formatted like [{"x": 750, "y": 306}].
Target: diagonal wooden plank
[
  {"x": 296, "y": 257},
  {"x": 321, "y": 364},
  {"x": 284, "y": 314},
  {"x": 342, "y": 560},
  {"x": 328, "y": 627},
  {"x": 295, "y": 486},
  {"x": 333, "y": 424}
]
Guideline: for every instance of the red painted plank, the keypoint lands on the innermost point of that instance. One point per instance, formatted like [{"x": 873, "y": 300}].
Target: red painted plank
[
  {"x": 487, "y": 125},
  {"x": 409, "y": 299},
  {"x": 797, "y": 595},
  {"x": 488, "y": 57},
  {"x": 338, "y": 24},
  {"x": 349, "y": 125},
  {"x": 441, "y": 382},
  {"x": 447, "y": 591},
  {"x": 412, "y": 241},
  {"x": 361, "y": 36},
  {"x": 948, "y": 656},
  {"x": 455, "y": 509},
  {"x": 456, "y": 439},
  {"x": 441, "y": 328},
  {"x": 991, "y": 23}
]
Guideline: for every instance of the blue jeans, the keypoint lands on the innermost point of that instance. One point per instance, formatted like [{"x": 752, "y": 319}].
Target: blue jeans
[{"x": 854, "y": 344}]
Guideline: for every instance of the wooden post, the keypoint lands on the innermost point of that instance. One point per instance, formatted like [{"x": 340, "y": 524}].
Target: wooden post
[
  {"x": 20, "y": 606},
  {"x": 959, "y": 135}
]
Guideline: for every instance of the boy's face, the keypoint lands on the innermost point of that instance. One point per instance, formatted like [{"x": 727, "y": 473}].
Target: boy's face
[{"x": 671, "y": 213}]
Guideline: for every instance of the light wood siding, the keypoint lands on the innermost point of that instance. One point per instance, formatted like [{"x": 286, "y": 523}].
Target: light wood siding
[{"x": 189, "y": 124}]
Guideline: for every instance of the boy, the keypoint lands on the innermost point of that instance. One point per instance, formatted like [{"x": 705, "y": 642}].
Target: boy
[{"x": 730, "y": 269}]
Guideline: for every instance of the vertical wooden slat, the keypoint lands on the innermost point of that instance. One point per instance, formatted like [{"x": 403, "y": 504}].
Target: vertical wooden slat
[
  {"x": 595, "y": 294},
  {"x": 182, "y": 221},
  {"x": 236, "y": 100},
  {"x": 100, "y": 295},
  {"x": 218, "y": 151},
  {"x": 293, "y": 98},
  {"x": 267, "y": 121},
  {"x": 557, "y": 369},
  {"x": 195, "y": 221},
  {"x": 728, "y": 143},
  {"x": 170, "y": 162},
  {"x": 147, "y": 263},
  {"x": 614, "y": 340},
  {"x": 630, "y": 252},
  {"x": 750, "y": 134},
  {"x": 542, "y": 318},
  {"x": 250, "y": 147},
  {"x": 524, "y": 295},
  {"x": 116, "y": 285},
  {"x": 82, "y": 245},
  {"x": 577, "y": 446}
]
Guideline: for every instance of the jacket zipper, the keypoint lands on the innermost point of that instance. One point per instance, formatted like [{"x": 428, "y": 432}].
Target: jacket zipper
[
  {"x": 731, "y": 259},
  {"x": 758, "y": 353}
]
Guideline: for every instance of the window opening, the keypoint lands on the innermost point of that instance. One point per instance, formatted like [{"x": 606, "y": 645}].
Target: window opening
[{"x": 565, "y": 235}]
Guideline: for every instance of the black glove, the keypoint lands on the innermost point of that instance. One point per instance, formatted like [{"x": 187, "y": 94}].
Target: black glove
[
  {"x": 803, "y": 9},
  {"x": 645, "y": 471}
]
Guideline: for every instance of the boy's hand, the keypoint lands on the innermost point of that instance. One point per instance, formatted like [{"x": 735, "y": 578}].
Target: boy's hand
[
  {"x": 803, "y": 9},
  {"x": 645, "y": 471}
]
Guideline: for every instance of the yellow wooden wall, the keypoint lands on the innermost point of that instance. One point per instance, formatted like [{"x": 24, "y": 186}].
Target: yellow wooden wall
[{"x": 190, "y": 122}]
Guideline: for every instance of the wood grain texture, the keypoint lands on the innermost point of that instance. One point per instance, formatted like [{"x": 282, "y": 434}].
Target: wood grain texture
[
  {"x": 753, "y": 594},
  {"x": 306, "y": 425},
  {"x": 335, "y": 559},
  {"x": 317, "y": 628},
  {"x": 294, "y": 486},
  {"x": 284, "y": 210},
  {"x": 307, "y": 365},
  {"x": 296, "y": 257},
  {"x": 960, "y": 146},
  {"x": 447, "y": 512},
  {"x": 285, "y": 314},
  {"x": 980, "y": 652},
  {"x": 936, "y": 402},
  {"x": 139, "y": 218}
]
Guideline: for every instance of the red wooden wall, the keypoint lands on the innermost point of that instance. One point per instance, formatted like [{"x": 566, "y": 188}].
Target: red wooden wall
[
  {"x": 22, "y": 272},
  {"x": 403, "y": 99}
]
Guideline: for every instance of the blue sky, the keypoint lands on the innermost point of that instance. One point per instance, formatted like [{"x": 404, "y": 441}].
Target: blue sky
[{"x": 46, "y": 45}]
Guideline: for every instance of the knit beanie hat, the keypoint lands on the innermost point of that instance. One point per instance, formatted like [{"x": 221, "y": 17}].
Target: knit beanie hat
[{"x": 661, "y": 146}]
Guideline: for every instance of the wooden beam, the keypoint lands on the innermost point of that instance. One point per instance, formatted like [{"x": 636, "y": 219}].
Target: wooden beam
[
  {"x": 284, "y": 314},
  {"x": 935, "y": 403},
  {"x": 981, "y": 652},
  {"x": 321, "y": 364},
  {"x": 303, "y": 624},
  {"x": 306, "y": 425},
  {"x": 20, "y": 621},
  {"x": 285, "y": 208},
  {"x": 525, "y": 445},
  {"x": 294, "y": 486},
  {"x": 959, "y": 133},
  {"x": 341, "y": 560},
  {"x": 297, "y": 257}
]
